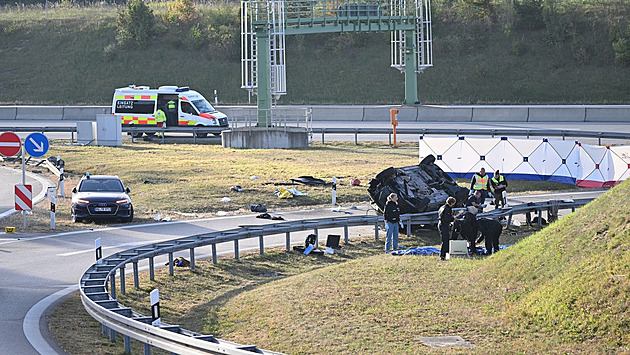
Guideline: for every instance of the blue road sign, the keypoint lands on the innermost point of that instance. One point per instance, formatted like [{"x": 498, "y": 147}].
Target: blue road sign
[{"x": 36, "y": 145}]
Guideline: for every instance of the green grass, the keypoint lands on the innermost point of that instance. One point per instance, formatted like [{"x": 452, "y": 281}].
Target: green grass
[{"x": 73, "y": 51}]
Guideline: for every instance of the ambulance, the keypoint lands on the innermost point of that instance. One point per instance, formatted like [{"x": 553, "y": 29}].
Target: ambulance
[{"x": 136, "y": 106}]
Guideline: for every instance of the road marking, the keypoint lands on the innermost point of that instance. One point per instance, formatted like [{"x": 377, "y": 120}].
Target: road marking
[{"x": 112, "y": 247}]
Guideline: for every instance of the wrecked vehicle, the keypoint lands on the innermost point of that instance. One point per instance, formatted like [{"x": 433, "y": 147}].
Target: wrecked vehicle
[{"x": 420, "y": 188}]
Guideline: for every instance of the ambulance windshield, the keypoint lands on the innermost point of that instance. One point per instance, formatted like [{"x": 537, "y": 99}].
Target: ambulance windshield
[{"x": 203, "y": 106}]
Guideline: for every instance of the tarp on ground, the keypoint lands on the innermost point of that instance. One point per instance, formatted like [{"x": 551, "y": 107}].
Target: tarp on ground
[{"x": 530, "y": 159}]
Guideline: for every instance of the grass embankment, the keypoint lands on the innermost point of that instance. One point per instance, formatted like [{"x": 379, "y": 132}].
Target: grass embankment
[{"x": 75, "y": 54}]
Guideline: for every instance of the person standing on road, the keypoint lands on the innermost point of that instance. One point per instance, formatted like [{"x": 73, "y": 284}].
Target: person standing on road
[
  {"x": 392, "y": 219},
  {"x": 445, "y": 218},
  {"x": 499, "y": 186},
  {"x": 479, "y": 182}
]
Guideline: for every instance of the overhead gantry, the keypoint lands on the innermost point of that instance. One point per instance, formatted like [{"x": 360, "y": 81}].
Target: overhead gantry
[{"x": 265, "y": 24}]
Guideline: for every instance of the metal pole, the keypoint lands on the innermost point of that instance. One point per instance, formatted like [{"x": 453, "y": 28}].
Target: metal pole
[
  {"x": 136, "y": 280},
  {"x": 122, "y": 280},
  {"x": 345, "y": 234},
  {"x": 127, "y": 341},
  {"x": 151, "y": 270},
  {"x": 192, "y": 258},
  {"x": 261, "y": 244},
  {"x": 236, "y": 249},
  {"x": 170, "y": 264},
  {"x": 288, "y": 241},
  {"x": 23, "y": 183}
]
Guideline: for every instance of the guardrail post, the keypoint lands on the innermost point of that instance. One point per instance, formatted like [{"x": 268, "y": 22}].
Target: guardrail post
[
  {"x": 316, "y": 232},
  {"x": 192, "y": 258},
  {"x": 214, "y": 253},
  {"x": 136, "y": 278},
  {"x": 261, "y": 244},
  {"x": 509, "y": 222},
  {"x": 147, "y": 349},
  {"x": 127, "y": 341},
  {"x": 356, "y": 141},
  {"x": 376, "y": 231},
  {"x": 112, "y": 282},
  {"x": 151, "y": 269},
  {"x": 288, "y": 241},
  {"x": 112, "y": 336},
  {"x": 409, "y": 227},
  {"x": 170, "y": 264},
  {"x": 105, "y": 330},
  {"x": 236, "y": 249},
  {"x": 539, "y": 218},
  {"x": 345, "y": 234},
  {"x": 389, "y": 138},
  {"x": 122, "y": 280}
]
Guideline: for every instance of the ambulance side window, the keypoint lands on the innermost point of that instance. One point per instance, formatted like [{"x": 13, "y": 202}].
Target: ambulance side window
[
  {"x": 188, "y": 108},
  {"x": 135, "y": 106}
]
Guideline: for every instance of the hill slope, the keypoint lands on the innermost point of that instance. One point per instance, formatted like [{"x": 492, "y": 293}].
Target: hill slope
[
  {"x": 562, "y": 290},
  {"x": 69, "y": 55}
]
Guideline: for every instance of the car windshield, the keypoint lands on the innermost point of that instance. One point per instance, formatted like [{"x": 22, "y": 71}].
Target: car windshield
[
  {"x": 203, "y": 106},
  {"x": 101, "y": 185}
]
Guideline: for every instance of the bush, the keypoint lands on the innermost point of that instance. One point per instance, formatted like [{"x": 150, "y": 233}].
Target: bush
[
  {"x": 135, "y": 26},
  {"x": 183, "y": 10},
  {"x": 620, "y": 40},
  {"x": 519, "y": 47}
]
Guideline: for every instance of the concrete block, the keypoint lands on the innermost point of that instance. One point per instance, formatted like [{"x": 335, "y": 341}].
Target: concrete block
[
  {"x": 557, "y": 113},
  {"x": 444, "y": 114},
  {"x": 39, "y": 113},
  {"x": 85, "y": 113},
  {"x": 337, "y": 113},
  {"x": 381, "y": 113},
  {"x": 8, "y": 112},
  {"x": 499, "y": 114},
  {"x": 265, "y": 138},
  {"x": 608, "y": 113}
]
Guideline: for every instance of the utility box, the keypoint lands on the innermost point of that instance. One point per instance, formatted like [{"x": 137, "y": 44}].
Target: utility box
[
  {"x": 108, "y": 130},
  {"x": 86, "y": 132},
  {"x": 458, "y": 248}
]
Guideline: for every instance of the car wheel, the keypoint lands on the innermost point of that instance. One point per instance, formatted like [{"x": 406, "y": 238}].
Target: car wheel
[
  {"x": 216, "y": 134},
  {"x": 74, "y": 217},
  {"x": 130, "y": 218}
]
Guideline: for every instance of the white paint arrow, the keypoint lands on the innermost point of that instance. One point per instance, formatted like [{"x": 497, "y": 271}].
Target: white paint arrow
[{"x": 39, "y": 148}]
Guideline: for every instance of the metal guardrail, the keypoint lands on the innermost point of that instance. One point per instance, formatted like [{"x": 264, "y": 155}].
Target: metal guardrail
[{"x": 98, "y": 283}]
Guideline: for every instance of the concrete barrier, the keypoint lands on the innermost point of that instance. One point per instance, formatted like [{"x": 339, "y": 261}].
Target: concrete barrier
[
  {"x": 607, "y": 114},
  {"x": 43, "y": 113},
  {"x": 444, "y": 114},
  {"x": 84, "y": 113},
  {"x": 265, "y": 138},
  {"x": 381, "y": 113},
  {"x": 8, "y": 112},
  {"x": 499, "y": 114},
  {"x": 556, "y": 114},
  {"x": 337, "y": 113}
]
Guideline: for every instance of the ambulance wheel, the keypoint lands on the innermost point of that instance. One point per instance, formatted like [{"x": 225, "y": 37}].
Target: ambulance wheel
[{"x": 201, "y": 134}]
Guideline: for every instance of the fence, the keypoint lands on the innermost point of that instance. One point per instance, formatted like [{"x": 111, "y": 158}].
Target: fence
[{"x": 98, "y": 283}]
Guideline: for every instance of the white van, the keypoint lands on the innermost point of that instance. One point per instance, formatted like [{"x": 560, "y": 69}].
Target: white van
[{"x": 136, "y": 106}]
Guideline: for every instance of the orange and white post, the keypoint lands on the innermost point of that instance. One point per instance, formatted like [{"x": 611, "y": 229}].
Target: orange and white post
[{"x": 392, "y": 115}]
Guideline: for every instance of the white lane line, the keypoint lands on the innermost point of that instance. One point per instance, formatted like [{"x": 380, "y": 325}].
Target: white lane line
[
  {"x": 30, "y": 326},
  {"x": 112, "y": 247},
  {"x": 42, "y": 194}
]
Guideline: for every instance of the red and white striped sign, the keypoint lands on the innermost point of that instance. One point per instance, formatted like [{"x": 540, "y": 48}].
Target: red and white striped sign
[{"x": 23, "y": 197}]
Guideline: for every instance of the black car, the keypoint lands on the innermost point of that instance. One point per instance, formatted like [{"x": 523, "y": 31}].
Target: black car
[{"x": 101, "y": 197}]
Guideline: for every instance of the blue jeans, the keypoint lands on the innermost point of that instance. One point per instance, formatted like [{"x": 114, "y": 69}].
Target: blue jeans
[{"x": 392, "y": 236}]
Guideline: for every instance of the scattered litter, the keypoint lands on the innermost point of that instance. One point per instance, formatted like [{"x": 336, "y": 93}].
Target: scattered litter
[
  {"x": 277, "y": 218},
  {"x": 166, "y": 219},
  {"x": 143, "y": 192},
  {"x": 516, "y": 223},
  {"x": 185, "y": 214},
  {"x": 253, "y": 177},
  {"x": 225, "y": 199},
  {"x": 264, "y": 216},
  {"x": 236, "y": 188},
  {"x": 258, "y": 208},
  {"x": 295, "y": 192},
  {"x": 222, "y": 213},
  {"x": 336, "y": 209},
  {"x": 355, "y": 182},
  {"x": 309, "y": 180},
  {"x": 180, "y": 262},
  {"x": 284, "y": 193},
  {"x": 353, "y": 207},
  {"x": 157, "y": 217}
]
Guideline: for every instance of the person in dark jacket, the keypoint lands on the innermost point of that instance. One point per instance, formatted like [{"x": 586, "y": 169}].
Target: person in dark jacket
[
  {"x": 490, "y": 231},
  {"x": 466, "y": 226},
  {"x": 392, "y": 219},
  {"x": 445, "y": 218}
]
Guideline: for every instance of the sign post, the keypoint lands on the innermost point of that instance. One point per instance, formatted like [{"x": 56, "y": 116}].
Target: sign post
[
  {"x": 334, "y": 191},
  {"x": 99, "y": 251},
  {"x": 155, "y": 307},
  {"x": 52, "y": 194}
]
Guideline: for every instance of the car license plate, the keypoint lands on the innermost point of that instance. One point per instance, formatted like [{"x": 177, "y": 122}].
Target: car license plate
[{"x": 102, "y": 209}]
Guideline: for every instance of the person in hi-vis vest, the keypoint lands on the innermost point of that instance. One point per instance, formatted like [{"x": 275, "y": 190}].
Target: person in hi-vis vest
[
  {"x": 160, "y": 121},
  {"x": 499, "y": 185},
  {"x": 479, "y": 182}
]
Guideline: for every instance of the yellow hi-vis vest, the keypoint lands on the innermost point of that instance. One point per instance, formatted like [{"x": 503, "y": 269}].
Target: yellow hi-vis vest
[
  {"x": 481, "y": 182},
  {"x": 171, "y": 105},
  {"x": 501, "y": 179},
  {"x": 160, "y": 116}
]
